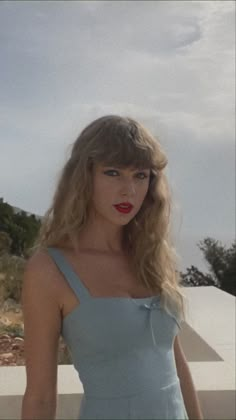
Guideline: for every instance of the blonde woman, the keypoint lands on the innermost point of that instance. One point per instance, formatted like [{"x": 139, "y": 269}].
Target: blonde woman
[{"x": 103, "y": 275}]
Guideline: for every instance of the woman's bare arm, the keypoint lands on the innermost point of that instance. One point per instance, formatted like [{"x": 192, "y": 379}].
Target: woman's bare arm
[
  {"x": 190, "y": 396},
  {"x": 42, "y": 325}
]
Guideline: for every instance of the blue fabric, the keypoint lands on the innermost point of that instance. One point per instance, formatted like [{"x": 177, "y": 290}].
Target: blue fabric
[{"x": 122, "y": 349}]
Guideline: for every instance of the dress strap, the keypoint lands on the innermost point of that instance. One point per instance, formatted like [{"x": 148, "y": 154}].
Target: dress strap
[{"x": 67, "y": 270}]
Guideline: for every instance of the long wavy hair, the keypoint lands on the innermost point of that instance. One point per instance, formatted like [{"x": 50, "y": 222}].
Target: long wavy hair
[{"x": 120, "y": 142}]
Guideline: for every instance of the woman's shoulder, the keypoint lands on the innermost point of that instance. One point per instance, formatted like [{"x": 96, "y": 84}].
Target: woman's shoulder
[
  {"x": 39, "y": 259},
  {"x": 41, "y": 254},
  {"x": 40, "y": 267}
]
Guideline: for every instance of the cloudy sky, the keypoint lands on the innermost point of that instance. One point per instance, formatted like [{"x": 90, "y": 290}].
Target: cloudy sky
[{"x": 169, "y": 64}]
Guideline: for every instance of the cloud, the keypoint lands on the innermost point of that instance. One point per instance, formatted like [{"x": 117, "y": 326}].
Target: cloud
[{"x": 168, "y": 64}]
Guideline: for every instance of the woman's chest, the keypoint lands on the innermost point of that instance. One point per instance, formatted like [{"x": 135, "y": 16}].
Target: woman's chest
[{"x": 106, "y": 276}]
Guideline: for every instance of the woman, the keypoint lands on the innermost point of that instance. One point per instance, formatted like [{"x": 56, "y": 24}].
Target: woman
[{"x": 104, "y": 277}]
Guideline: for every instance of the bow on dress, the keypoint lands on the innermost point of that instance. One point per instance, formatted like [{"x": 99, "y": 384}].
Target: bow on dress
[{"x": 155, "y": 304}]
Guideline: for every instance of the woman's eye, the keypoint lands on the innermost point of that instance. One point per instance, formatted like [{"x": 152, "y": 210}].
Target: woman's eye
[
  {"x": 112, "y": 170},
  {"x": 139, "y": 173},
  {"x": 142, "y": 173}
]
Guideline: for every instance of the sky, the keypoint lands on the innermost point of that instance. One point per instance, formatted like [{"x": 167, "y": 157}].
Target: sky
[{"x": 168, "y": 64}]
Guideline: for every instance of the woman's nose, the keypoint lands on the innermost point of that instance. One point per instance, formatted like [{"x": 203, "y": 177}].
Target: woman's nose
[{"x": 128, "y": 188}]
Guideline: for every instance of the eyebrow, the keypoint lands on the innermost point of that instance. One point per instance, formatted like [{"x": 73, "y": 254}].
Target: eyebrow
[{"x": 120, "y": 168}]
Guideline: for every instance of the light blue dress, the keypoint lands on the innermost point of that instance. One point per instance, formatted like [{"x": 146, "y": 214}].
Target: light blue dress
[{"x": 122, "y": 349}]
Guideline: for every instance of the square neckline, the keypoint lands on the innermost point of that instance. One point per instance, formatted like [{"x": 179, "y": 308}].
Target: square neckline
[{"x": 102, "y": 297}]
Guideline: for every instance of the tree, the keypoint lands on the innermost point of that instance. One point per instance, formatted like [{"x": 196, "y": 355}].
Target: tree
[
  {"x": 222, "y": 267},
  {"x": 20, "y": 227},
  {"x": 222, "y": 263},
  {"x": 5, "y": 243},
  {"x": 194, "y": 277}
]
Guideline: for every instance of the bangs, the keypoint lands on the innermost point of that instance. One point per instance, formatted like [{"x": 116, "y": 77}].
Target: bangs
[
  {"x": 137, "y": 159},
  {"x": 123, "y": 146}
]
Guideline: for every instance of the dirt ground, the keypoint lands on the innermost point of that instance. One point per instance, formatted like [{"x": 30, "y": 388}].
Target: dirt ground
[{"x": 12, "y": 347}]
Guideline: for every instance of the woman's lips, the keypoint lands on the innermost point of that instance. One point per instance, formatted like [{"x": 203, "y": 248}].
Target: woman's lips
[{"x": 123, "y": 210}]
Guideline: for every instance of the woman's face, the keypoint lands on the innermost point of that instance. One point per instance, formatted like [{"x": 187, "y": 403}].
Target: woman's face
[{"x": 112, "y": 185}]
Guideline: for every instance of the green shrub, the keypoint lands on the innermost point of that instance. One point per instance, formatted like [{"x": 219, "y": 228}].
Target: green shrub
[
  {"x": 14, "y": 330},
  {"x": 12, "y": 267}
]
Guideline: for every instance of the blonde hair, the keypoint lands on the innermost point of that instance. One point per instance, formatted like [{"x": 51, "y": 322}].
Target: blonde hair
[{"x": 120, "y": 142}]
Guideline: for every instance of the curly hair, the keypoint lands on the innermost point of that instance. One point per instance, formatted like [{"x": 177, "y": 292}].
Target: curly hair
[{"x": 121, "y": 142}]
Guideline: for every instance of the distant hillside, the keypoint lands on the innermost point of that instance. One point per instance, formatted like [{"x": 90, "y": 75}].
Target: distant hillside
[
  {"x": 18, "y": 210},
  {"x": 18, "y": 228}
]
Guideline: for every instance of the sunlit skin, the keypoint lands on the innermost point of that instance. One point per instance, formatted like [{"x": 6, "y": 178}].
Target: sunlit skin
[{"x": 112, "y": 185}]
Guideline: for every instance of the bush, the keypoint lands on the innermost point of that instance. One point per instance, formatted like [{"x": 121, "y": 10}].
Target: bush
[
  {"x": 14, "y": 330},
  {"x": 11, "y": 283}
]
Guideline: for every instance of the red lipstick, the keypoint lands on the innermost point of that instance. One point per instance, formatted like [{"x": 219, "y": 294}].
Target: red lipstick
[{"x": 124, "y": 207}]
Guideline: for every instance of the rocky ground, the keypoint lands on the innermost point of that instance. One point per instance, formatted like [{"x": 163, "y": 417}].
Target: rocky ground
[
  {"x": 12, "y": 337},
  {"x": 11, "y": 351}
]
